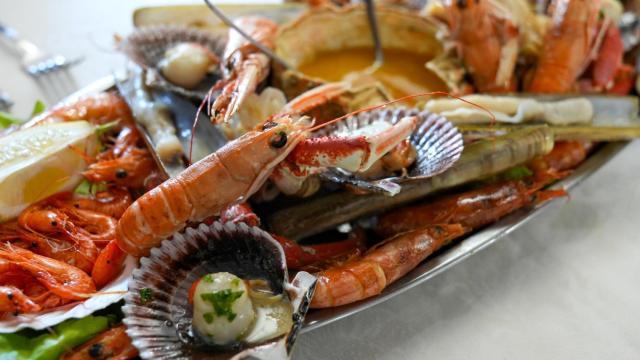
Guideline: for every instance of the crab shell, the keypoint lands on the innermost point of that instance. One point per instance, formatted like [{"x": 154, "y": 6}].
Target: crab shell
[
  {"x": 147, "y": 47},
  {"x": 332, "y": 29},
  {"x": 437, "y": 141},
  {"x": 161, "y": 327}
]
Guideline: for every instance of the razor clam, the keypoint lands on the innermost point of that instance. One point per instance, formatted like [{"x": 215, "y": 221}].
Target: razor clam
[
  {"x": 514, "y": 110},
  {"x": 615, "y": 118},
  {"x": 148, "y": 46},
  {"x": 483, "y": 158},
  {"x": 586, "y": 133},
  {"x": 437, "y": 142},
  {"x": 157, "y": 313}
]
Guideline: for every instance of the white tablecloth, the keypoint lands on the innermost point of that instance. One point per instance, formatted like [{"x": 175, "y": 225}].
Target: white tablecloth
[{"x": 566, "y": 285}]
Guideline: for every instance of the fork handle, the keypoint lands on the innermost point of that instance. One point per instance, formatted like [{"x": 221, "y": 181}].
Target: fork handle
[{"x": 19, "y": 46}]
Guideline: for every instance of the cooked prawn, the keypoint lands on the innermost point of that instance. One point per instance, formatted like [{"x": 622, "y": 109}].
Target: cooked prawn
[
  {"x": 112, "y": 202},
  {"x": 567, "y": 45},
  {"x": 128, "y": 162},
  {"x": 97, "y": 109},
  {"x": 13, "y": 300},
  {"x": 63, "y": 280},
  {"x": 108, "y": 264},
  {"x": 380, "y": 266},
  {"x": 207, "y": 187},
  {"x": 112, "y": 344}
]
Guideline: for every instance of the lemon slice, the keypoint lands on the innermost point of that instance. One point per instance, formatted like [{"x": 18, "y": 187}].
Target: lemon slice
[{"x": 40, "y": 161}]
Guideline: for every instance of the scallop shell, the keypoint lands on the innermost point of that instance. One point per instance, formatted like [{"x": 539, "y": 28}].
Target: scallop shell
[
  {"x": 147, "y": 46},
  {"x": 438, "y": 145},
  {"x": 161, "y": 328}
]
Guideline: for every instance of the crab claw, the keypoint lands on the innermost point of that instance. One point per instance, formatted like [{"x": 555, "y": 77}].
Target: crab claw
[
  {"x": 355, "y": 151},
  {"x": 252, "y": 72}
]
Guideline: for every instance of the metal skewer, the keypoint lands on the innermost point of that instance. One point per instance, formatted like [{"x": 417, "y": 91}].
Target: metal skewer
[
  {"x": 254, "y": 42},
  {"x": 373, "y": 25}
]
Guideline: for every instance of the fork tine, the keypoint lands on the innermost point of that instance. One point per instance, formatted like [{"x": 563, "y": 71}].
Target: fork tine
[
  {"x": 70, "y": 82},
  {"x": 47, "y": 88},
  {"x": 56, "y": 85}
]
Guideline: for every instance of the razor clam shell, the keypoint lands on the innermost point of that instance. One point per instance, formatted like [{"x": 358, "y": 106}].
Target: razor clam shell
[
  {"x": 147, "y": 46},
  {"x": 161, "y": 327},
  {"x": 438, "y": 145}
]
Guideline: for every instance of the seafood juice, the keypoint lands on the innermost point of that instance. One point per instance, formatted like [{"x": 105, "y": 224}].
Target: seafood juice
[{"x": 402, "y": 73}]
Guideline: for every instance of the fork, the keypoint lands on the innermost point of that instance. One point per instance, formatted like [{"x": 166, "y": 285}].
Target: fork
[{"x": 51, "y": 72}]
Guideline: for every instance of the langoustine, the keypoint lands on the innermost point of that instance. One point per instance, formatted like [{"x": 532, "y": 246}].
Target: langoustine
[
  {"x": 568, "y": 44},
  {"x": 480, "y": 207},
  {"x": 244, "y": 67},
  {"x": 487, "y": 39},
  {"x": 383, "y": 264}
]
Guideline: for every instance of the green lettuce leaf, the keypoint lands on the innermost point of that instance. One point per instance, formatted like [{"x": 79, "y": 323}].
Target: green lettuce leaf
[
  {"x": 7, "y": 120},
  {"x": 38, "y": 108},
  {"x": 49, "y": 345}
]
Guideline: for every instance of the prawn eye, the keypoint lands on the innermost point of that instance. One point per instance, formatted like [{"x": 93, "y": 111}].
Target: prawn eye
[{"x": 278, "y": 140}]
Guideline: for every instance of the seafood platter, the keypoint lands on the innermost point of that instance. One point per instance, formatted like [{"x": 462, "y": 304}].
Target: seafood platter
[{"x": 259, "y": 171}]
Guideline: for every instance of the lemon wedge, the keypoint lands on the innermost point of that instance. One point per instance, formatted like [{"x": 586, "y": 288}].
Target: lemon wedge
[{"x": 40, "y": 161}]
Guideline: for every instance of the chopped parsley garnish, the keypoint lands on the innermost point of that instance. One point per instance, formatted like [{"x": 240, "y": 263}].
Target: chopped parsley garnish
[
  {"x": 221, "y": 302},
  {"x": 146, "y": 295},
  {"x": 208, "y": 317},
  {"x": 7, "y": 119},
  {"x": 207, "y": 278},
  {"x": 235, "y": 282}
]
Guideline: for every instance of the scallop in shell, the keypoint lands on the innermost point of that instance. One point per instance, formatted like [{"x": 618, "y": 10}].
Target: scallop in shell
[
  {"x": 150, "y": 46},
  {"x": 159, "y": 317},
  {"x": 437, "y": 142}
]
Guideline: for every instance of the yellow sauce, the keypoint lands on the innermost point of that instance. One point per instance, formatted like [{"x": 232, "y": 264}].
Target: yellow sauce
[{"x": 403, "y": 72}]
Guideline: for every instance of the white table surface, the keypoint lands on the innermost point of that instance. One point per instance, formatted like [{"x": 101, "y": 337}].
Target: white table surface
[{"x": 564, "y": 286}]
